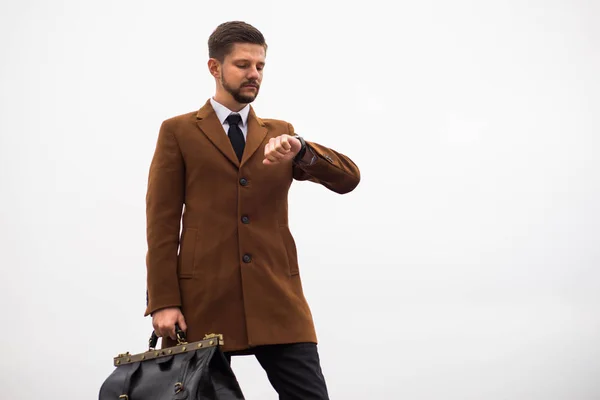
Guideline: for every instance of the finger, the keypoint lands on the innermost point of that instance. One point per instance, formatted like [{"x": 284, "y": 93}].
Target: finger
[
  {"x": 159, "y": 332},
  {"x": 272, "y": 157},
  {"x": 171, "y": 332},
  {"x": 285, "y": 143},
  {"x": 270, "y": 152},
  {"x": 163, "y": 330},
  {"x": 272, "y": 144},
  {"x": 277, "y": 154},
  {"x": 181, "y": 322},
  {"x": 267, "y": 148},
  {"x": 279, "y": 146},
  {"x": 157, "y": 328},
  {"x": 276, "y": 149}
]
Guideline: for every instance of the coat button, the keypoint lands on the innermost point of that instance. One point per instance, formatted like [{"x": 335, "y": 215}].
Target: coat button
[
  {"x": 244, "y": 182},
  {"x": 247, "y": 258},
  {"x": 245, "y": 219}
]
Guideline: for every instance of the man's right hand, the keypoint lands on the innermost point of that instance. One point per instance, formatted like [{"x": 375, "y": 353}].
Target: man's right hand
[{"x": 164, "y": 321}]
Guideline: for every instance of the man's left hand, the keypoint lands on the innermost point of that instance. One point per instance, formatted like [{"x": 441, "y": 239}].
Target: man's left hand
[{"x": 281, "y": 149}]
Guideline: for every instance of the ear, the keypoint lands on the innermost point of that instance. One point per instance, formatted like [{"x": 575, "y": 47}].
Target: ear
[{"x": 214, "y": 67}]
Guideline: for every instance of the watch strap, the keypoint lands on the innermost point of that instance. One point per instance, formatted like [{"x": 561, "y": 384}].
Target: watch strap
[{"x": 302, "y": 151}]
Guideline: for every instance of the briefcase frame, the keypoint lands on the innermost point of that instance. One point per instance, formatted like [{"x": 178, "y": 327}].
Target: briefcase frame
[{"x": 209, "y": 340}]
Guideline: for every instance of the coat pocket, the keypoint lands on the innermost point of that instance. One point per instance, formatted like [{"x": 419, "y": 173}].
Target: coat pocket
[
  {"x": 290, "y": 249},
  {"x": 187, "y": 253}
]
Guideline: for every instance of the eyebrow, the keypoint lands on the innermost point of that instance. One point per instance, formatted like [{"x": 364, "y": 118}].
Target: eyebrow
[{"x": 246, "y": 60}]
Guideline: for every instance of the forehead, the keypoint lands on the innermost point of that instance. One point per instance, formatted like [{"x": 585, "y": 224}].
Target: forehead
[{"x": 246, "y": 51}]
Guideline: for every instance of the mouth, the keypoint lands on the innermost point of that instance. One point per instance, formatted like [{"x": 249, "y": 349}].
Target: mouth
[{"x": 250, "y": 86}]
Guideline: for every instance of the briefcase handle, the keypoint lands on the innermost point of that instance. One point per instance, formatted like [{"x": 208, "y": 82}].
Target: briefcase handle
[{"x": 181, "y": 339}]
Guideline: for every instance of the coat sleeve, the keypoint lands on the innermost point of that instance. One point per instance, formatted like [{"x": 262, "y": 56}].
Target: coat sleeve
[
  {"x": 164, "y": 202},
  {"x": 330, "y": 168}
]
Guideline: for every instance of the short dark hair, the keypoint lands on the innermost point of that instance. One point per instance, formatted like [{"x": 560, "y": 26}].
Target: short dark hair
[{"x": 227, "y": 34}]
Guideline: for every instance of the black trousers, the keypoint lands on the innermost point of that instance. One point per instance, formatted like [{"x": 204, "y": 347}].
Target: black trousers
[{"x": 294, "y": 370}]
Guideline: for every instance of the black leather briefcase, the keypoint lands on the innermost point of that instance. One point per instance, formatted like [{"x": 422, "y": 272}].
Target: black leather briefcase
[{"x": 190, "y": 371}]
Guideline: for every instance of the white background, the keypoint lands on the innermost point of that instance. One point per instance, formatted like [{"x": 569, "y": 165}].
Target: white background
[{"x": 464, "y": 266}]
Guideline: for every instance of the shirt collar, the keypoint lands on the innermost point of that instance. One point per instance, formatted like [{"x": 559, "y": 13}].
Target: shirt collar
[{"x": 223, "y": 112}]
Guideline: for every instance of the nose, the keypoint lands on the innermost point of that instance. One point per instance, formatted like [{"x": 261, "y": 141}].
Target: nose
[{"x": 253, "y": 74}]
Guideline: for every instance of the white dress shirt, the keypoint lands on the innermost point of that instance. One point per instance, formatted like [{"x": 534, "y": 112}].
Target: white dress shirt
[{"x": 224, "y": 112}]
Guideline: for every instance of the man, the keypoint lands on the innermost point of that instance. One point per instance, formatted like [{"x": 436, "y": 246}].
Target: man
[{"x": 233, "y": 268}]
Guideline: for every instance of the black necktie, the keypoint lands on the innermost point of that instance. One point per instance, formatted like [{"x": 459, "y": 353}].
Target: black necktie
[{"x": 235, "y": 134}]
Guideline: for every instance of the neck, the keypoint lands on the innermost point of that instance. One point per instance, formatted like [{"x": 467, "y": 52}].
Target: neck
[{"x": 228, "y": 101}]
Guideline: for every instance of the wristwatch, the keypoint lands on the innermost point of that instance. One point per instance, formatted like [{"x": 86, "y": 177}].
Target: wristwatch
[{"x": 302, "y": 151}]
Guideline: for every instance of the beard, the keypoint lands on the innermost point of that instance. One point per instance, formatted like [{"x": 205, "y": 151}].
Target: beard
[{"x": 237, "y": 94}]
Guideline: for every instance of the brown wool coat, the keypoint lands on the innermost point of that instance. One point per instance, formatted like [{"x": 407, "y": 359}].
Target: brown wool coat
[{"x": 253, "y": 300}]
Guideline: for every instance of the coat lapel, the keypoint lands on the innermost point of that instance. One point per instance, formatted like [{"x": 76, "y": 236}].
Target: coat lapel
[
  {"x": 256, "y": 134},
  {"x": 207, "y": 121}
]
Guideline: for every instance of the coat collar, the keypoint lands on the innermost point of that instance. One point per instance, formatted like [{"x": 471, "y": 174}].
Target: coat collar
[{"x": 209, "y": 124}]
